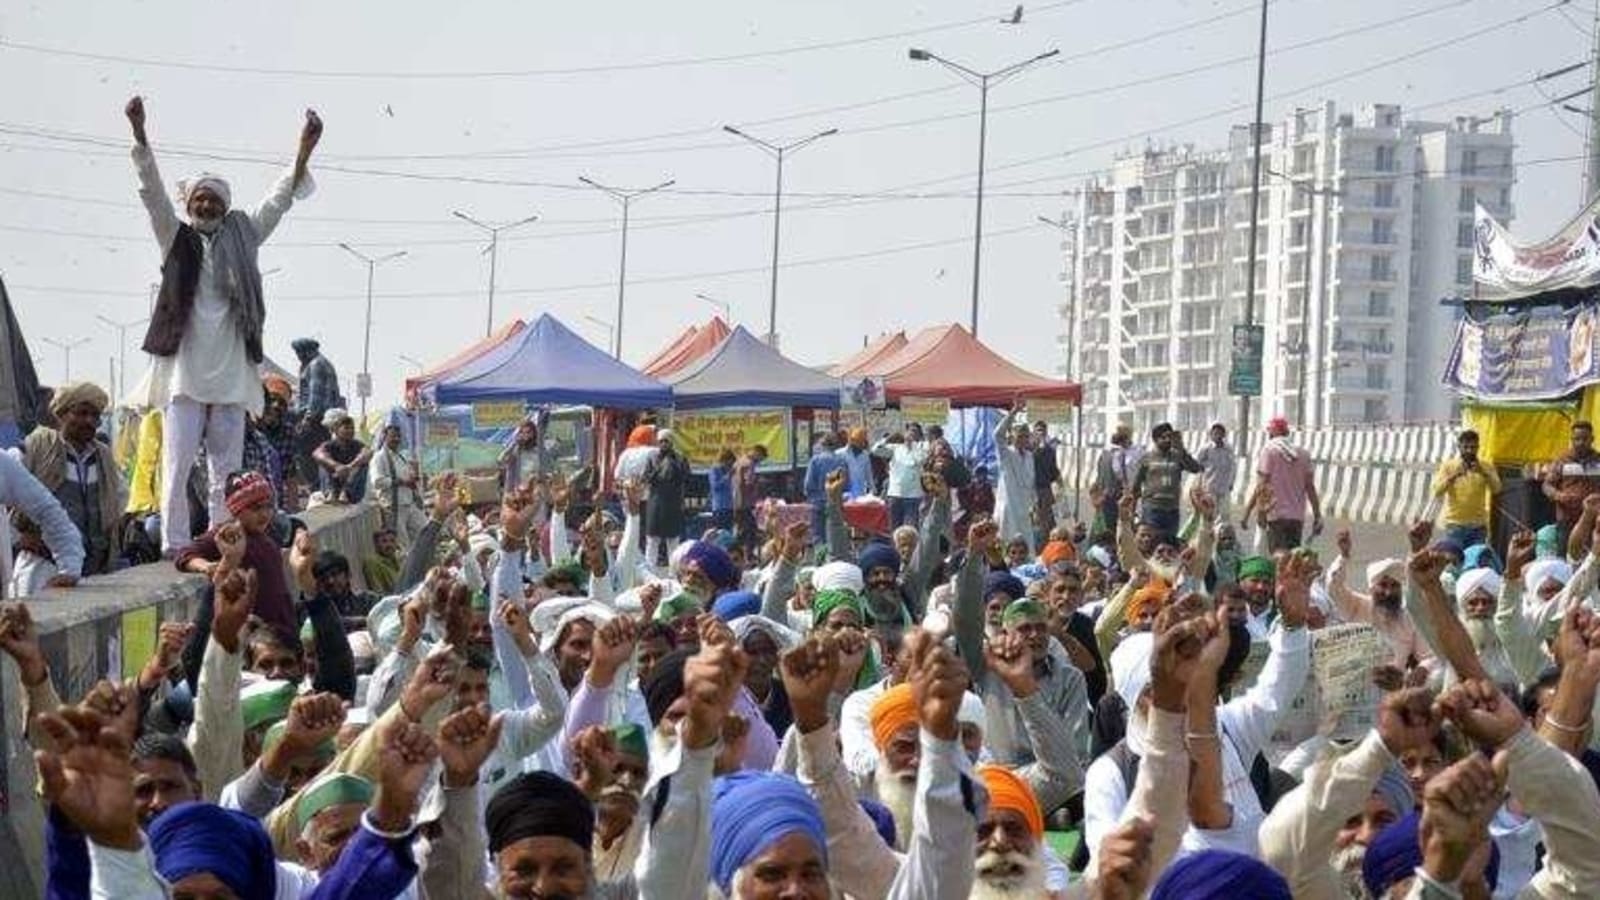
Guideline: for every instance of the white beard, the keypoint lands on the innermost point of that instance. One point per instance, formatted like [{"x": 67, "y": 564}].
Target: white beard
[
  {"x": 1023, "y": 878},
  {"x": 662, "y": 745},
  {"x": 1487, "y": 642},
  {"x": 206, "y": 226},
  {"x": 899, "y": 794},
  {"x": 1347, "y": 863}
]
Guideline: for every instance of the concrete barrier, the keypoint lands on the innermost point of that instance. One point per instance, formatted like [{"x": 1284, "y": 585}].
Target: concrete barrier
[{"x": 106, "y": 627}]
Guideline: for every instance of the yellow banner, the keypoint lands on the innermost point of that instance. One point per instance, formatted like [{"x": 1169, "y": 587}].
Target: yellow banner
[
  {"x": 925, "y": 410},
  {"x": 701, "y": 435},
  {"x": 1056, "y": 412},
  {"x": 138, "y": 640},
  {"x": 488, "y": 415}
]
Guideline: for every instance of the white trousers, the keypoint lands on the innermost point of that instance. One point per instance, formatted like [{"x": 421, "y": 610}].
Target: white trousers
[
  {"x": 185, "y": 426},
  {"x": 652, "y": 546}
]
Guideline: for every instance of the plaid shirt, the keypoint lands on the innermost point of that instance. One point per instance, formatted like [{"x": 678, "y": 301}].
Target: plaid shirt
[
  {"x": 261, "y": 456},
  {"x": 319, "y": 388}
]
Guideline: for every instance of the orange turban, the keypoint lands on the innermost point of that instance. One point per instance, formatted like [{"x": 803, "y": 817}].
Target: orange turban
[
  {"x": 891, "y": 712},
  {"x": 1153, "y": 594},
  {"x": 1008, "y": 791},
  {"x": 642, "y": 436},
  {"x": 1056, "y": 552},
  {"x": 278, "y": 386},
  {"x": 858, "y": 434}
]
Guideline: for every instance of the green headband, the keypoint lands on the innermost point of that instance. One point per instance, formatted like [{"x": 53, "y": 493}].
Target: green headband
[
  {"x": 567, "y": 569},
  {"x": 334, "y": 790},
  {"x": 1257, "y": 567},
  {"x": 827, "y": 601},
  {"x": 682, "y": 605},
  {"x": 630, "y": 739},
  {"x": 1022, "y": 610},
  {"x": 265, "y": 702},
  {"x": 324, "y": 750}
]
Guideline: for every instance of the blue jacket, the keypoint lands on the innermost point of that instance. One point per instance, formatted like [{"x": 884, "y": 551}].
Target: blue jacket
[{"x": 821, "y": 466}]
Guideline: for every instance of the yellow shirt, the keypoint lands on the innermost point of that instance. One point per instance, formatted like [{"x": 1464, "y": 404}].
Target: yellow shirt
[
  {"x": 144, "y": 488},
  {"x": 1468, "y": 499}
]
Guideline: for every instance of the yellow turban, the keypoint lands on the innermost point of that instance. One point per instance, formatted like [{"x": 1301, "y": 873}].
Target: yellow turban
[
  {"x": 891, "y": 712},
  {"x": 68, "y": 396},
  {"x": 1007, "y": 791}
]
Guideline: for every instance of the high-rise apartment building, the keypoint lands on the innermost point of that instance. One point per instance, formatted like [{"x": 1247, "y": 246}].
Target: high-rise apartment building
[{"x": 1365, "y": 225}]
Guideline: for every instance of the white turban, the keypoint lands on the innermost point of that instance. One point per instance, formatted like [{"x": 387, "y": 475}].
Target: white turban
[
  {"x": 593, "y": 613},
  {"x": 675, "y": 558},
  {"x": 333, "y": 417},
  {"x": 838, "y": 576},
  {"x": 1475, "y": 580},
  {"x": 1130, "y": 667},
  {"x": 1386, "y": 568},
  {"x": 971, "y": 712},
  {"x": 1537, "y": 573},
  {"x": 544, "y": 617},
  {"x": 216, "y": 184},
  {"x": 785, "y": 637}
]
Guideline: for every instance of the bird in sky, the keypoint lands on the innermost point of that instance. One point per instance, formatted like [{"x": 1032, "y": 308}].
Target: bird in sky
[{"x": 1015, "y": 18}]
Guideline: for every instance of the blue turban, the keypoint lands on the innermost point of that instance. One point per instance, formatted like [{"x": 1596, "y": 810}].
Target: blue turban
[
  {"x": 714, "y": 563},
  {"x": 202, "y": 837},
  {"x": 882, "y": 819},
  {"x": 1397, "y": 852},
  {"x": 1450, "y": 546},
  {"x": 1479, "y": 556},
  {"x": 735, "y": 604},
  {"x": 751, "y": 811},
  {"x": 1215, "y": 874},
  {"x": 1003, "y": 582},
  {"x": 1030, "y": 572},
  {"x": 878, "y": 555}
]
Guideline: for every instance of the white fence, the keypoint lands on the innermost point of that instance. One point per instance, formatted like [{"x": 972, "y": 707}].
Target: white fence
[{"x": 1375, "y": 474}]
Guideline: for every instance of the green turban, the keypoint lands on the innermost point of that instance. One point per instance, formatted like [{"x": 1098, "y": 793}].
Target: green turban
[
  {"x": 827, "y": 601},
  {"x": 1257, "y": 567},
  {"x": 265, "y": 702},
  {"x": 685, "y": 604},
  {"x": 334, "y": 790},
  {"x": 630, "y": 738},
  {"x": 1023, "y": 610}
]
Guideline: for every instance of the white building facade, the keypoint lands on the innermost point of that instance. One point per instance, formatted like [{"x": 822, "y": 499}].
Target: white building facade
[{"x": 1365, "y": 225}]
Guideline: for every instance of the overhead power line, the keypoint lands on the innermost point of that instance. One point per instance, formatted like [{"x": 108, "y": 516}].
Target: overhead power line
[{"x": 445, "y": 75}]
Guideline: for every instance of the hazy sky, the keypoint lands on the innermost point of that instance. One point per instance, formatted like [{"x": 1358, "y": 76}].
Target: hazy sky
[{"x": 537, "y": 93}]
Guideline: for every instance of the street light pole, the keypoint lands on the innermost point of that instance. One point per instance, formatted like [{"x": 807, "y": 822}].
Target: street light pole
[
  {"x": 982, "y": 80},
  {"x": 365, "y": 386},
  {"x": 625, "y": 197},
  {"x": 778, "y": 151},
  {"x": 727, "y": 311},
  {"x": 1243, "y": 434},
  {"x": 121, "y": 382},
  {"x": 494, "y": 253},
  {"x": 66, "y": 352}
]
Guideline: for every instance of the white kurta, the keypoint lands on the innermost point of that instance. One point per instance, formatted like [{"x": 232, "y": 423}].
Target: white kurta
[
  {"x": 1013, "y": 487},
  {"x": 210, "y": 365}
]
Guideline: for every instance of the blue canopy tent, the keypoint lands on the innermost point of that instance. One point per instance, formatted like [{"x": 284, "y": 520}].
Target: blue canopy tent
[
  {"x": 743, "y": 371},
  {"x": 547, "y": 364}
]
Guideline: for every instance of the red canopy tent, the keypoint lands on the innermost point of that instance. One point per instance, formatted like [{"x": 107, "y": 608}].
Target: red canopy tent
[
  {"x": 947, "y": 361},
  {"x": 415, "y": 383},
  {"x": 866, "y": 360},
  {"x": 695, "y": 342}
]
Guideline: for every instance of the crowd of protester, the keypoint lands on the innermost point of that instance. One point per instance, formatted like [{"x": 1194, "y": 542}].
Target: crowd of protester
[{"x": 552, "y": 696}]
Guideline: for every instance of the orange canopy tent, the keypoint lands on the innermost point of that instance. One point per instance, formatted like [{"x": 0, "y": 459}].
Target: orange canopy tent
[
  {"x": 693, "y": 344},
  {"x": 415, "y": 383},
  {"x": 947, "y": 361},
  {"x": 866, "y": 360}
]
